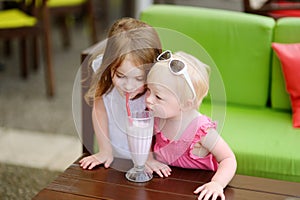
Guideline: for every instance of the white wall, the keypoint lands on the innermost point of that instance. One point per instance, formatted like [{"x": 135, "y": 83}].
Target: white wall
[{"x": 141, "y": 5}]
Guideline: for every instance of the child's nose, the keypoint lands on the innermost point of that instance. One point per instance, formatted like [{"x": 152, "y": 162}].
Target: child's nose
[
  {"x": 130, "y": 85},
  {"x": 149, "y": 99}
]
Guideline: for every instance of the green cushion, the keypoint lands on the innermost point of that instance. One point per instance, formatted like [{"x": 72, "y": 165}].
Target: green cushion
[
  {"x": 238, "y": 43},
  {"x": 59, "y": 3},
  {"x": 14, "y": 18},
  {"x": 287, "y": 30},
  {"x": 263, "y": 140}
]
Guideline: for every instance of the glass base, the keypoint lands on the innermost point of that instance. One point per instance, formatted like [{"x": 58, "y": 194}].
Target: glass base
[{"x": 138, "y": 175}]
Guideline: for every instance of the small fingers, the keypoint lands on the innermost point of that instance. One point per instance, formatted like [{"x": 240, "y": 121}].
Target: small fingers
[
  {"x": 222, "y": 196},
  {"x": 107, "y": 163},
  {"x": 82, "y": 161},
  {"x": 202, "y": 194},
  {"x": 85, "y": 163},
  {"x": 207, "y": 195},
  {"x": 163, "y": 171},
  {"x": 166, "y": 171},
  {"x": 93, "y": 164},
  {"x": 199, "y": 189},
  {"x": 158, "y": 172},
  {"x": 89, "y": 162},
  {"x": 215, "y": 196}
]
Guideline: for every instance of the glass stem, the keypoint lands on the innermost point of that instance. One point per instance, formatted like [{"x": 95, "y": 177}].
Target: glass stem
[{"x": 139, "y": 168}]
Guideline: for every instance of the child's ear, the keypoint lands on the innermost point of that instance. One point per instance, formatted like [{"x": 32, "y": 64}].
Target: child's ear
[{"x": 188, "y": 105}]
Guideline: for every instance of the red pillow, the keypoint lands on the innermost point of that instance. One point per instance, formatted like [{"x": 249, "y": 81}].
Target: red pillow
[
  {"x": 289, "y": 56},
  {"x": 284, "y": 13}
]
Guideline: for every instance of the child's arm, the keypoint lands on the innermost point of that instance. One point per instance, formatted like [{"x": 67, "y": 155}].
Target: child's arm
[
  {"x": 225, "y": 172},
  {"x": 100, "y": 124}
]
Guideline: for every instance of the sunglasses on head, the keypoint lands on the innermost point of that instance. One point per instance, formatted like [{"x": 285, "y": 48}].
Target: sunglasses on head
[{"x": 177, "y": 67}]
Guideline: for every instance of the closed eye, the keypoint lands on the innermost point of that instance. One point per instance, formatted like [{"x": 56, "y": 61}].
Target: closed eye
[
  {"x": 158, "y": 97},
  {"x": 140, "y": 78},
  {"x": 120, "y": 75}
]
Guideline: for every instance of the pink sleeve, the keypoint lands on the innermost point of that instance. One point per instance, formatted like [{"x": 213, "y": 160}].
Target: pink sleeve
[{"x": 202, "y": 130}]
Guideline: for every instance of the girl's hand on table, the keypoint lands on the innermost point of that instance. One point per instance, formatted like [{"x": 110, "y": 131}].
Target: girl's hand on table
[
  {"x": 92, "y": 161},
  {"x": 159, "y": 168},
  {"x": 211, "y": 189}
]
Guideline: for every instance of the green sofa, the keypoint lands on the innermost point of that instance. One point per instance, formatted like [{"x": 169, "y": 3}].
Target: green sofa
[{"x": 258, "y": 120}]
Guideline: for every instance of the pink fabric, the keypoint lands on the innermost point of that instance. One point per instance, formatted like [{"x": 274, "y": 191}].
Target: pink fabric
[{"x": 179, "y": 153}]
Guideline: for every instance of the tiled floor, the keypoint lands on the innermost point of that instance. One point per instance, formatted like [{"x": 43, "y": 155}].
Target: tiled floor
[
  {"x": 22, "y": 183},
  {"x": 33, "y": 149}
]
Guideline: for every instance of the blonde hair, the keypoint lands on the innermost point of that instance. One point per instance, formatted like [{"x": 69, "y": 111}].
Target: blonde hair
[
  {"x": 198, "y": 72},
  {"x": 127, "y": 37}
]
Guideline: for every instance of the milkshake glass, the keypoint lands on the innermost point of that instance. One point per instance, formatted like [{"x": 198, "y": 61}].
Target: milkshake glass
[{"x": 139, "y": 128}]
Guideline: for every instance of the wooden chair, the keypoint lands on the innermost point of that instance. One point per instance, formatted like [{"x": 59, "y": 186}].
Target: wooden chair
[
  {"x": 29, "y": 23},
  {"x": 62, "y": 9},
  {"x": 275, "y": 8}
]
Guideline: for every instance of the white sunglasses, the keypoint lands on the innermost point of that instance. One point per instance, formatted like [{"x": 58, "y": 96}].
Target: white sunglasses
[{"x": 177, "y": 67}]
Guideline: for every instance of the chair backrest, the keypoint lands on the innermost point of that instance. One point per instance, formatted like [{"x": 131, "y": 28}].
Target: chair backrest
[
  {"x": 87, "y": 130},
  {"x": 35, "y": 14},
  {"x": 238, "y": 43},
  {"x": 63, "y": 8}
]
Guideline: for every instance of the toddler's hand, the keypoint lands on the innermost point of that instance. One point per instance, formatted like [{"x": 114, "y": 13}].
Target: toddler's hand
[
  {"x": 96, "y": 159},
  {"x": 211, "y": 189},
  {"x": 161, "y": 169}
]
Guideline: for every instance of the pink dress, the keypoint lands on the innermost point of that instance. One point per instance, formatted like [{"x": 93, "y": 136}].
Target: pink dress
[{"x": 179, "y": 153}]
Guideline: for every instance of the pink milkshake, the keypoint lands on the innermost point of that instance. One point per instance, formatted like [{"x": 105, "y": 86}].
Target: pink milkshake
[{"x": 139, "y": 135}]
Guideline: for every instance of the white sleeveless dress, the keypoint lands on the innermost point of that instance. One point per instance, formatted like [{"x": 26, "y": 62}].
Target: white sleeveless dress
[{"x": 115, "y": 106}]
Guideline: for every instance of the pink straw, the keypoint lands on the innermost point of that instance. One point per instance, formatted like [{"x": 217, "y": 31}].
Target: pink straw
[{"x": 128, "y": 107}]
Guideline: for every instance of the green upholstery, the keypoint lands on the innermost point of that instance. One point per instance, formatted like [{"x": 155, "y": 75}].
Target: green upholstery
[
  {"x": 262, "y": 138},
  {"x": 264, "y": 142},
  {"x": 58, "y": 3},
  {"x": 287, "y": 30},
  {"x": 229, "y": 38},
  {"x": 14, "y": 18}
]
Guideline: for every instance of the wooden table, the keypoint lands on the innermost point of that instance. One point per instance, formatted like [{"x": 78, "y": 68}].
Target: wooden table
[{"x": 100, "y": 183}]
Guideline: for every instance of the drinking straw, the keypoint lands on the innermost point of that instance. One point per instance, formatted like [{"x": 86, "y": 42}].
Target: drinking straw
[{"x": 128, "y": 107}]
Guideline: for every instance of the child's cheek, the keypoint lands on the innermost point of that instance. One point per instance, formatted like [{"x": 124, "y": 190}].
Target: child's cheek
[
  {"x": 159, "y": 112},
  {"x": 117, "y": 82}
]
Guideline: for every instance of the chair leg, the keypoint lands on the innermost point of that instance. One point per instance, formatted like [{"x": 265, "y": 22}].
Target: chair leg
[
  {"x": 7, "y": 47},
  {"x": 65, "y": 35},
  {"x": 49, "y": 77},
  {"x": 23, "y": 60},
  {"x": 35, "y": 54},
  {"x": 92, "y": 21}
]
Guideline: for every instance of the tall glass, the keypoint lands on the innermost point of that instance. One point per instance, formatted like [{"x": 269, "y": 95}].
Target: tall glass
[{"x": 139, "y": 135}]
